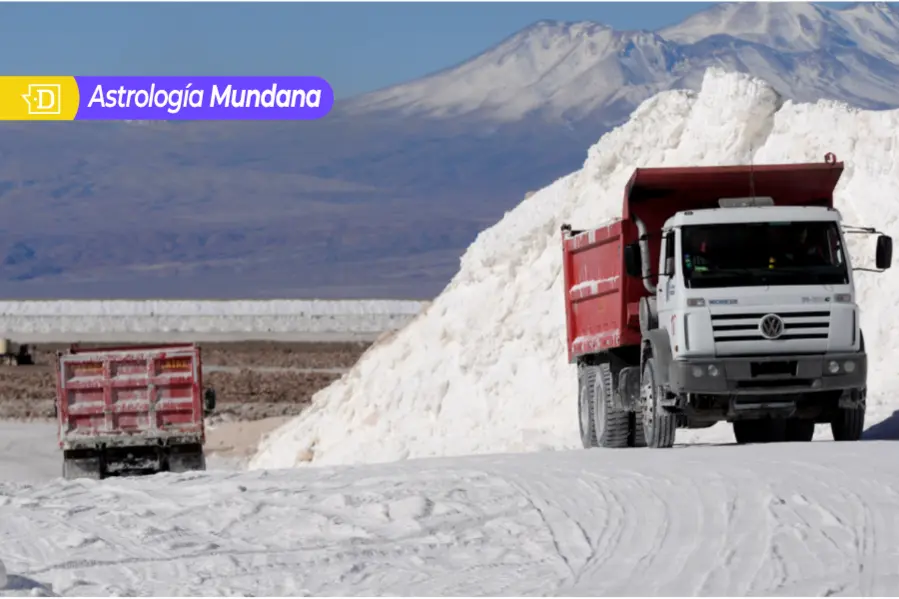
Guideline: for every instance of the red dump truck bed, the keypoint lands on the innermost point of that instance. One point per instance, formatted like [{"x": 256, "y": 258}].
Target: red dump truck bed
[
  {"x": 601, "y": 301},
  {"x": 124, "y": 396}
]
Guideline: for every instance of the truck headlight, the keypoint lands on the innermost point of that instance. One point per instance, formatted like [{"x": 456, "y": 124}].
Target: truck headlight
[
  {"x": 833, "y": 367},
  {"x": 713, "y": 370},
  {"x": 697, "y": 372},
  {"x": 849, "y": 366}
]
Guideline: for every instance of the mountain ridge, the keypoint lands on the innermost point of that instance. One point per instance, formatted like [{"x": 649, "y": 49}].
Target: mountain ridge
[
  {"x": 667, "y": 55},
  {"x": 380, "y": 198}
]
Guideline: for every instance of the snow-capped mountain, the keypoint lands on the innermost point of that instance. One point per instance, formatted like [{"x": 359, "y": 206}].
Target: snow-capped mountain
[
  {"x": 797, "y": 26},
  {"x": 381, "y": 197},
  {"x": 576, "y": 71}
]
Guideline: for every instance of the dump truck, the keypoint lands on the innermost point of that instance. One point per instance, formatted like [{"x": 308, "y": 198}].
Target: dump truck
[
  {"x": 131, "y": 410},
  {"x": 721, "y": 294},
  {"x": 15, "y": 354}
]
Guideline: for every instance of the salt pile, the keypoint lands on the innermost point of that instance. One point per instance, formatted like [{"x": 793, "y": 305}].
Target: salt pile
[{"x": 484, "y": 368}]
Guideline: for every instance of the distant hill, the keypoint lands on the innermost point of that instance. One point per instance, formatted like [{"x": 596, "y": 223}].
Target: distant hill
[{"x": 380, "y": 198}]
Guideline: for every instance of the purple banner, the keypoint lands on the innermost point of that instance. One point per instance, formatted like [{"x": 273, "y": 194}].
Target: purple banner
[{"x": 203, "y": 98}]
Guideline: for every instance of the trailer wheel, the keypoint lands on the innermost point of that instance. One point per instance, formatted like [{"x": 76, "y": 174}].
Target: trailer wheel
[
  {"x": 586, "y": 379},
  {"x": 848, "y": 424},
  {"x": 659, "y": 425},
  {"x": 612, "y": 425}
]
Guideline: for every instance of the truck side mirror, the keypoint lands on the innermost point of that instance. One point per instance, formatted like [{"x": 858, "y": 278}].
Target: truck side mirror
[
  {"x": 209, "y": 400},
  {"x": 884, "y": 254},
  {"x": 632, "y": 260}
]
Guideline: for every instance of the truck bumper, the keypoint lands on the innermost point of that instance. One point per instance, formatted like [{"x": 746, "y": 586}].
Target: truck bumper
[
  {"x": 769, "y": 375},
  {"x": 82, "y": 442}
]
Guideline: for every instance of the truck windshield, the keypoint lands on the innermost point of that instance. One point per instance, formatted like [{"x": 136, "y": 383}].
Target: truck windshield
[{"x": 762, "y": 254}]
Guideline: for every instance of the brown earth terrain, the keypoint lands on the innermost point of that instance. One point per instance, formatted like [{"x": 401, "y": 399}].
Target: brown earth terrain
[{"x": 253, "y": 380}]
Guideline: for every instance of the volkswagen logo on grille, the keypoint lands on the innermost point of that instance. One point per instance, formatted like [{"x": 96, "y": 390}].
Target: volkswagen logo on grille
[{"x": 771, "y": 326}]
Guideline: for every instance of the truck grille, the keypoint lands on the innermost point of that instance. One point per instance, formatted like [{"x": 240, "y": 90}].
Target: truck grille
[{"x": 745, "y": 326}]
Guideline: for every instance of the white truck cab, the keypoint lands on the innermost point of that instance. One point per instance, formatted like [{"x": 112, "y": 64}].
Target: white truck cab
[
  {"x": 758, "y": 305},
  {"x": 730, "y": 264}
]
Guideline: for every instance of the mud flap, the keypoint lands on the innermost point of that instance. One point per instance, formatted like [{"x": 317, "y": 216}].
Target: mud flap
[
  {"x": 186, "y": 458},
  {"x": 82, "y": 464}
]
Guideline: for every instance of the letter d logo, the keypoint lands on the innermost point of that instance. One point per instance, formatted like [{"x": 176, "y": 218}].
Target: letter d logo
[{"x": 44, "y": 98}]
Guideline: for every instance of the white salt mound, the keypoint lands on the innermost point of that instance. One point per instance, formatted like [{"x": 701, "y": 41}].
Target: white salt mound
[
  {"x": 3, "y": 578},
  {"x": 484, "y": 368}
]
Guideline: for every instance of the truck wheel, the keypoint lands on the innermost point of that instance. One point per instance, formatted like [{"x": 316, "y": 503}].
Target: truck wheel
[
  {"x": 848, "y": 424},
  {"x": 636, "y": 438},
  {"x": 762, "y": 430},
  {"x": 586, "y": 380},
  {"x": 659, "y": 425},
  {"x": 748, "y": 431},
  {"x": 800, "y": 429},
  {"x": 612, "y": 425}
]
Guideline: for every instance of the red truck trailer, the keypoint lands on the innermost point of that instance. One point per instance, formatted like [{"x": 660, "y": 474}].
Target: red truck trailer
[
  {"x": 694, "y": 308},
  {"x": 131, "y": 409}
]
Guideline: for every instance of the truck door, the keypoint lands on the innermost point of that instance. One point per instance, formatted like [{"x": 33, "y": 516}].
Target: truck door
[{"x": 667, "y": 286}]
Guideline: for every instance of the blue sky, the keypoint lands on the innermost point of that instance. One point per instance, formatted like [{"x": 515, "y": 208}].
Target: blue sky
[{"x": 357, "y": 47}]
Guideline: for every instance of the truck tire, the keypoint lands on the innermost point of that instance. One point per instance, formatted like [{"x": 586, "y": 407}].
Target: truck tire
[
  {"x": 762, "y": 430},
  {"x": 586, "y": 382},
  {"x": 848, "y": 424},
  {"x": 636, "y": 437},
  {"x": 611, "y": 425},
  {"x": 748, "y": 431},
  {"x": 659, "y": 425},
  {"x": 800, "y": 429}
]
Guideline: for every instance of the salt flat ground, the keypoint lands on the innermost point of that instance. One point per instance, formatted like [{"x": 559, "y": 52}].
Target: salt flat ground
[
  {"x": 786, "y": 519},
  {"x": 29, "y": 452}
]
